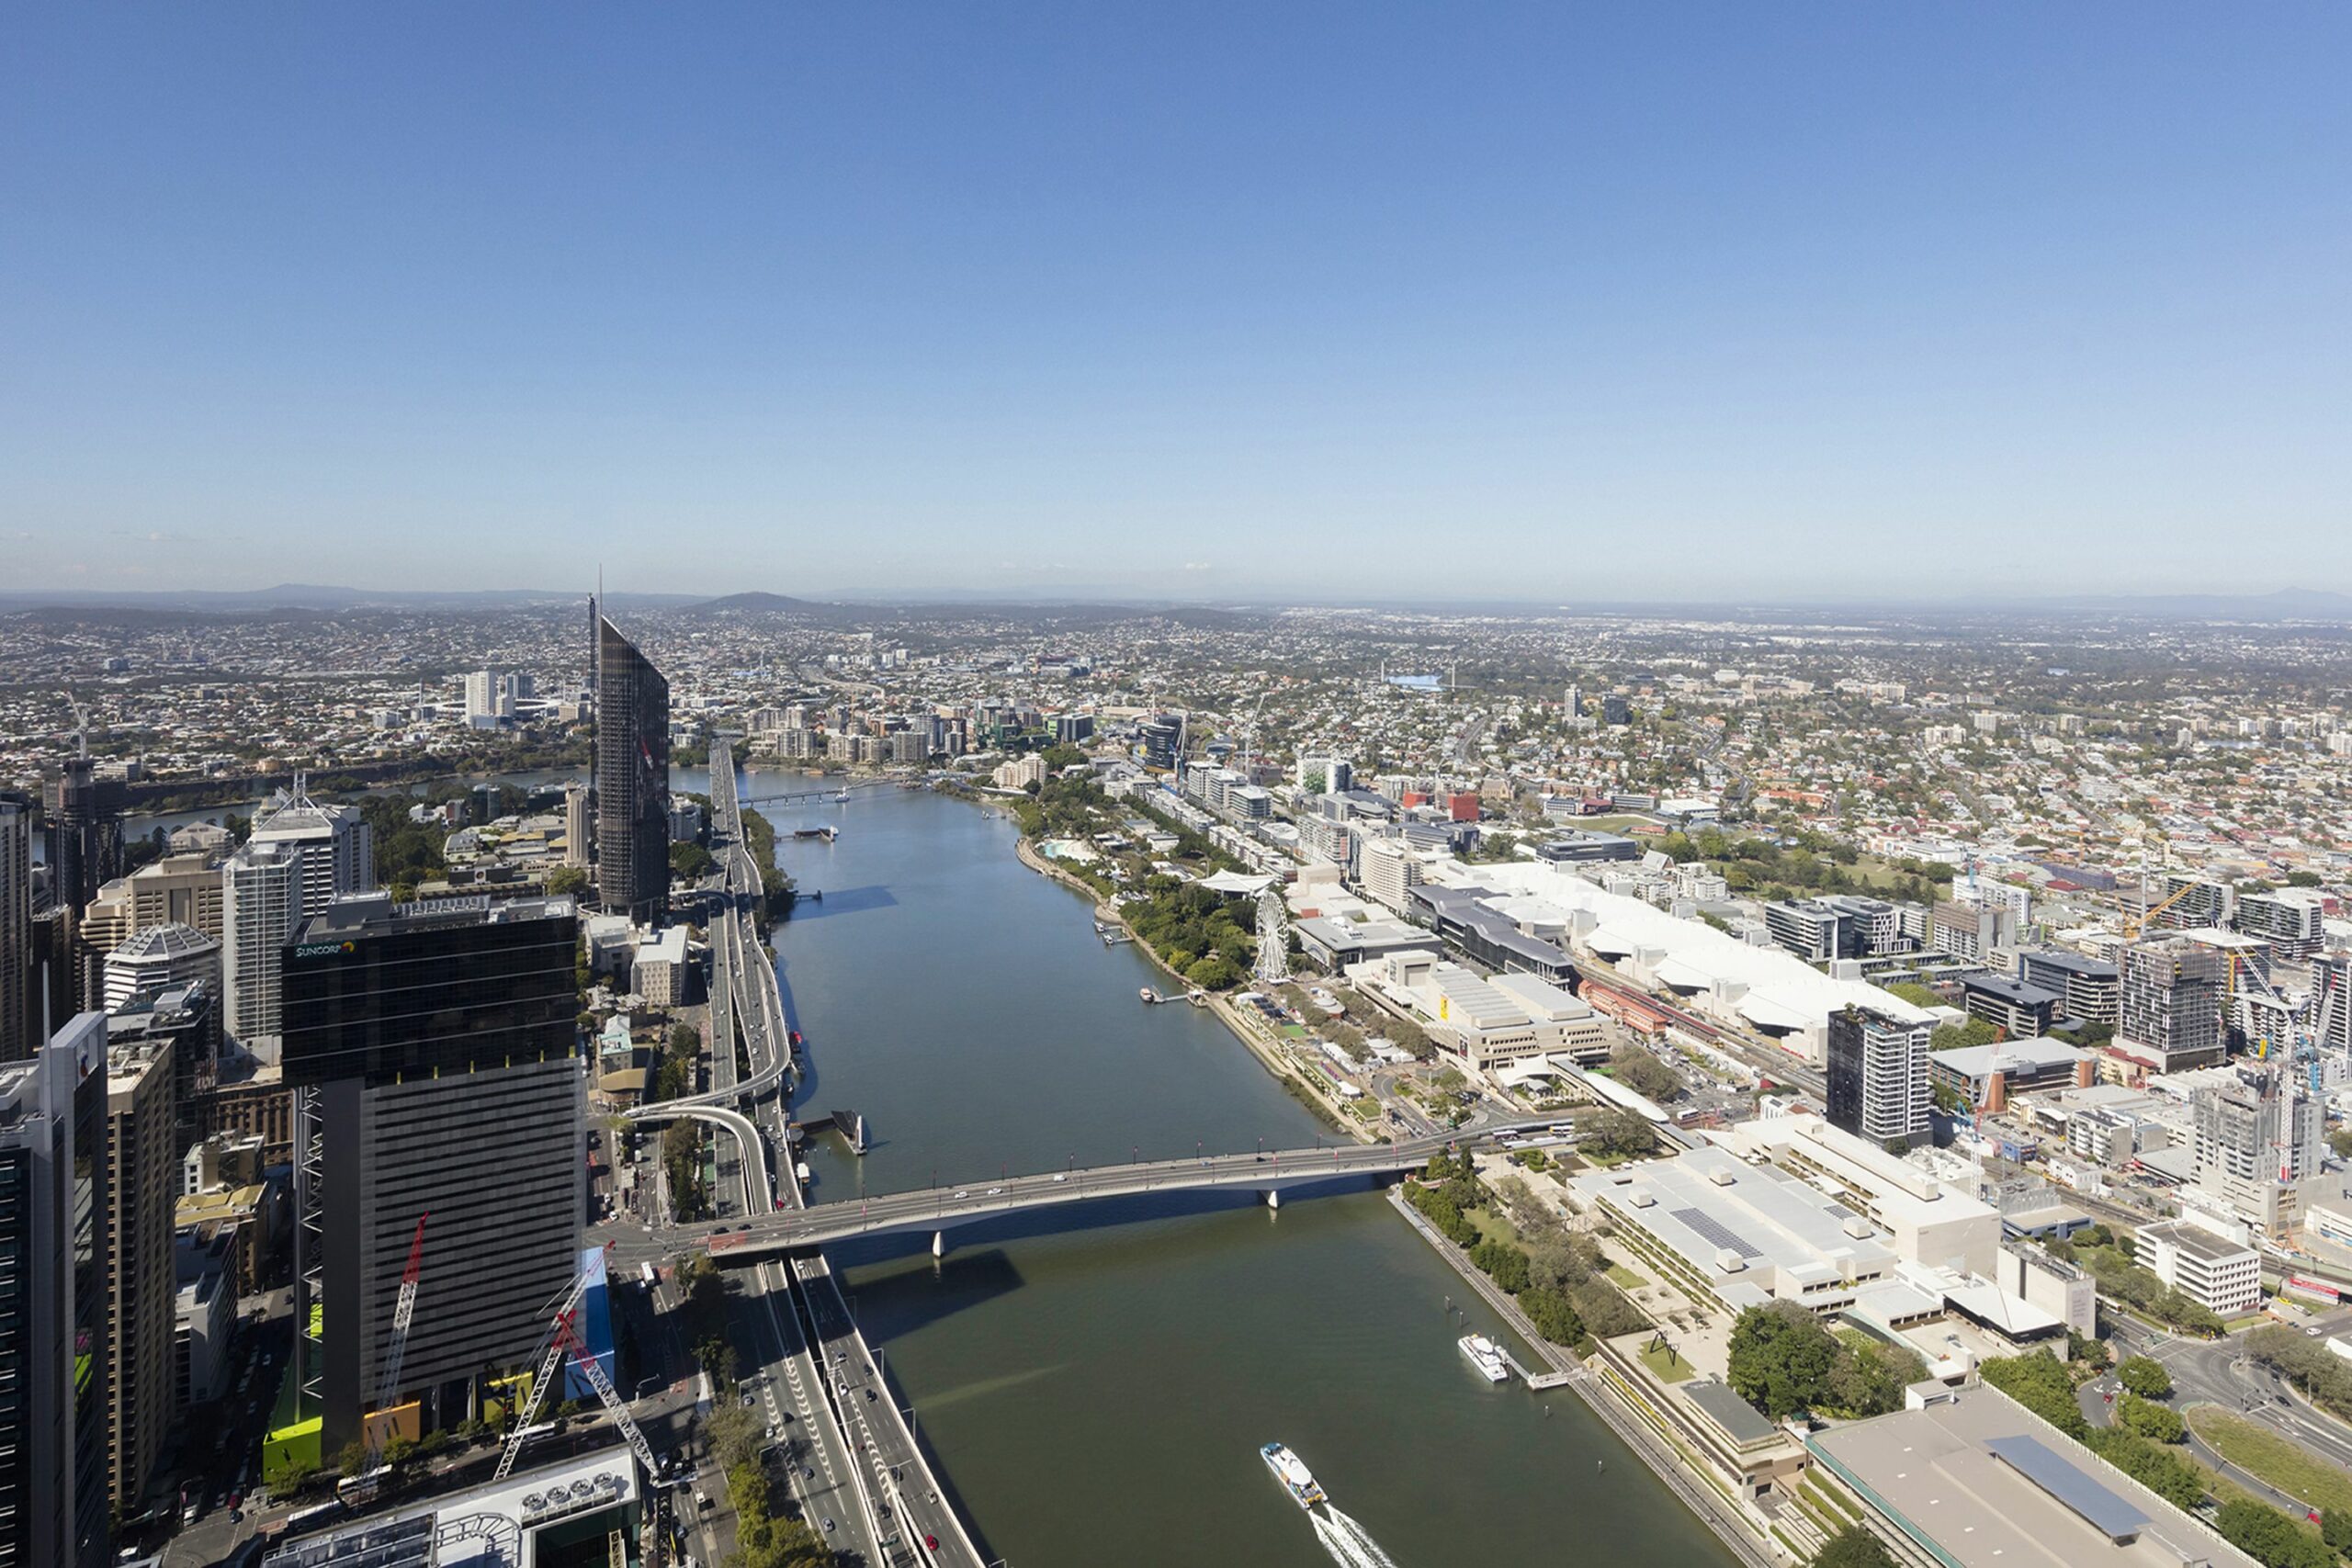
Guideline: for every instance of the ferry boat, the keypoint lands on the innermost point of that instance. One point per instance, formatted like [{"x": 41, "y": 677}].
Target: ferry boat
[
  {"x": 1148, "y": 995},
  {"x": 1487, "y": 1356},
  {"x": 840, "y": 798},
  {"x": 1297, "y": 1479}
]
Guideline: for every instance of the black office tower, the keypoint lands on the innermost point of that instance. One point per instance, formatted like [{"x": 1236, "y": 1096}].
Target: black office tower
[
  {"x": 431, "y": 1049},
  {"x": 54, "y": 1316},
  {"x": 631, "y": 780},
  {"x": 84, "y": 821}
]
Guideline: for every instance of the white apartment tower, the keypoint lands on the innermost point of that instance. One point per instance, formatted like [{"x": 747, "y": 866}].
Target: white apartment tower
[
  {"x": 337, "y": 846},
  {"x": 265, "y": 883},
  {"x": 1389, "y": 872}
]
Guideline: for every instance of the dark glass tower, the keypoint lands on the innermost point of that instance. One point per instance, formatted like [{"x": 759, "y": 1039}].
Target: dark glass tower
[
  {"x": 432, "y": 1050},
  {"x": 85, "y": 831},
  {"x": 631, "y": 780}
]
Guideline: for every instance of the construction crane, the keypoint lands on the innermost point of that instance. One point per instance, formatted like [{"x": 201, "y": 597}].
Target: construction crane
[
  {"x": 563, "y": 1339},
  {"x": 2304, "y": 1050},
  {"x": 80, "y": 726},
  {"x": 2134, "y": 924},
  {"x": 379, "y": 1424}
]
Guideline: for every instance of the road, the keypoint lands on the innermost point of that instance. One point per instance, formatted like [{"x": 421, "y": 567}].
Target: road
[{"x": 2219, "y": 1371}]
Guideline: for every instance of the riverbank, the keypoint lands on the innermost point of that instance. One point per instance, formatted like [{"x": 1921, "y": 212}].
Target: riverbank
[
  {"x": 1301, "y": 1081},
  {"x": 1249, "y": 1028},
  {"x": 1670, "y": 1468}
]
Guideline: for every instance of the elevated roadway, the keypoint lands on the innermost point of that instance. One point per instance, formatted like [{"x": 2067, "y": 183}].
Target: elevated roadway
[{"x": 937, "y": 1209}]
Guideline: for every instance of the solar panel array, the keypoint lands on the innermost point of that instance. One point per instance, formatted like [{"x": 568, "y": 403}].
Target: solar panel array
[
  {"x": 1715, "y": 1232},
  {"x": 2107, "y": 1511}
]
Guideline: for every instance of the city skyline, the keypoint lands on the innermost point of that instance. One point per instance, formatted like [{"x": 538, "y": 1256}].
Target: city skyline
[{"x": 1295, "y": 305}]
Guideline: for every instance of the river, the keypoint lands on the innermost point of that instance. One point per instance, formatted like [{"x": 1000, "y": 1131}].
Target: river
[{"x": 1096, "y": 1386}]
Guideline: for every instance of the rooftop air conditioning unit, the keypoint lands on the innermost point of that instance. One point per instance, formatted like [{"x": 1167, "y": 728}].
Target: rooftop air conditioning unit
[
  {"x": 1728, "y": 1259},
  {"x": 1722, "y": 1175},
  {"x": 1640, "y": 1198}
]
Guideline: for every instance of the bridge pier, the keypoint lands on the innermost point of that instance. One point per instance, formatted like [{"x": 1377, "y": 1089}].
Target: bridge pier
[
  {"x": 1273, "y": 1197},
  {"x": 939, "y": 1244}
]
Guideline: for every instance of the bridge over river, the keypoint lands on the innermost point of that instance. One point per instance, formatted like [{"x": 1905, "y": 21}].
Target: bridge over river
[{"x": 938, "y": 1208}]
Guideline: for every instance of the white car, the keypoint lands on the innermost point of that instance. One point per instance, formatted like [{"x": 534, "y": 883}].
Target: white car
[
  {"x": 995, "y": 1192},
  {"x": 962, "y": 1193},
  {"x": 1061, "y": 1175}
]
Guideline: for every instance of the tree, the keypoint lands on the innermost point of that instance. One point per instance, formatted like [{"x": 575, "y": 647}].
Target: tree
[
  {"x": 1408, "y": 1037},
  {"x": 1613, "y": 1131},
  {"x": 2042, "y": 1385},
  {"x": 1644, "y": 1074},
  {"x": 1854, "y": 1547},
  {"x": 1781, "y": 1357},
  {"x": 2271, "y": 1537},
  {"x": 566, "y": 879},
  {"x": 2146, "y": 1376},
  {"x": 1553, "y": 1316},
  {"x": 1952, "y": 1036},
  {"x": 2336, "y": 1528},
  {"x": 2158, "y": 1423}
]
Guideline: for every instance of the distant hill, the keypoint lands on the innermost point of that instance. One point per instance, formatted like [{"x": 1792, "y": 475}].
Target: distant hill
[
  {"x": 311, "y": 596},
  {"x": 761, "y": 600},
  {"x": 2286, "y": 604}
]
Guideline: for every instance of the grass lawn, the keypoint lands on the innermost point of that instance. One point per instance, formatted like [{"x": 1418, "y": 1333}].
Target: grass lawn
[
  {"x": 1624, "y": 1278},
  {"x": 1676, "y": 1371},
  {"x": 1493, "y": 1226},
  {"x": 2260, "y": 1452}
]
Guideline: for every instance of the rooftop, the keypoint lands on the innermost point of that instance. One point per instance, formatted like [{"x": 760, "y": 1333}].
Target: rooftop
[{"x": 1984, "y": 1484}]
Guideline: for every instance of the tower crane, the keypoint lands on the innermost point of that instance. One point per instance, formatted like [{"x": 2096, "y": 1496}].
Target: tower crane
[
  {"x": 389, "y": 1388},
  {"x": 2302, "y": 1049},
  {"x": 80, "y": 726},
  {"x": 563, "y": 1339}
]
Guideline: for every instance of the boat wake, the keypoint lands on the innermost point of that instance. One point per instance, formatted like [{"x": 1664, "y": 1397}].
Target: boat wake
[{"x": 1350, "y": 1544}]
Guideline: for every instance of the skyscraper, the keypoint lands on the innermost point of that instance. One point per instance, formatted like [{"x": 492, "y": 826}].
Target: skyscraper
[
  {"x": 1878, "y": 1077},
  {"x": 19, "y": 1004},
  {"x": 264, "y": 903},
  {"x": 85, "y": 830},
  {"x": 2257, "y": 1141},
  {"x": 431, "y": 1049},
  {"x": 579, "y": 827},
  {"x": 338, "y": 848},
  {"x": 632, "y": 780},
  {"x": 143, "y": 1183},
  {"x": 2169, "y": 1012},
  {"x": 53, "y": 1358}
]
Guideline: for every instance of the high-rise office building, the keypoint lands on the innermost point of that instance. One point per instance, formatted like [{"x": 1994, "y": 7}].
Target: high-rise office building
[
  {"x": 264, "y": 903},
  {"x": 2169, "y": 1011},
  {"x": 19, "y": 1005},
  {"x": 177, "y": 890},
  {"x": 431, "y": 1050},
  {"x": 632, "y": 780},
  {"x": 338, "y": 849},
  {"x": 85, "y": 815},
  {"x": 579, "y": 827},
  {"x": 1878, "y": 1077},
  {"x": 54, "y": 1248},
  {"x": 160, "y": 958},
  {"x": 142, "y": 1185}
]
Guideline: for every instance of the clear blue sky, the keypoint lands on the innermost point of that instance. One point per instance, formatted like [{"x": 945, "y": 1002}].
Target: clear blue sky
[{"x": 1555, "y": 301}]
